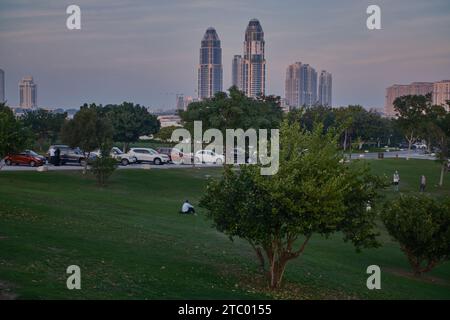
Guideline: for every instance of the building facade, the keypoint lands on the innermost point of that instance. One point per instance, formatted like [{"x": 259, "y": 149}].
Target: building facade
[
  {"x": 441, "y": 93},
  {"x": 210, "y": 67},
  {"x": 236, "y": 72},
  {"x": 308, "y": 85},
  {"x": 292, "y": 85},
  {"x": 325, "y": 88},
  {"x": 27, "y": 93},
  {"x": 399, "y": 90},
  {"x": 2, "y": 86},
  {"x": 254, "y": 62}
]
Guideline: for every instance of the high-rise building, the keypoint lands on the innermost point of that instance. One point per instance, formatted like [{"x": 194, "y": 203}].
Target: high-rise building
[
  {"x": 2, "y": 86},
  {"x": 441, "y": 93},
  {"x": 301, "y": 85},
  {"x": 254, "y": 64},
  {"x": 325, "y": 88},
  {"x": 292, "y": 85},
  {"x": 180, "y": 102},
  {"x": 308, "y": 85},
  {"x": 210, "y": 68},
  {"x": 27, "y": 93},
  {"x": 399, "y": 90},
  {"x": 236, "y": 72}
]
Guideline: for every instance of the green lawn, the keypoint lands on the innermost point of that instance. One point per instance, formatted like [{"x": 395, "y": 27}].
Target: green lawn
[{"x": 130, "y": 243}]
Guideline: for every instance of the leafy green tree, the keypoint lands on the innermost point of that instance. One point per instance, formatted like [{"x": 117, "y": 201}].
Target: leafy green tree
[
  {"x": 233, "y": 111},
  {"x": 421, "y": 225},
  {"x": 44, "y": 124},
  {"x": 103, "y": 166},
  {"x": 312, "y": 193},
  {"x": 14, "y": 136},
  {"x": 412, "y": 110},
  {"x": 88, "y": 130},
  {"x": 165, "y": 134},
  {"x": 130, "y": 121}
]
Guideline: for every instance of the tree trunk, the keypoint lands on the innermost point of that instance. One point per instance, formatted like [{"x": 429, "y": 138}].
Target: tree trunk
[
  {"x": 277, "y": 271},
  {"x": 410, "y": 140},
  {"x": 345, "y": 140},
  {"x": 441, "y": 179}
]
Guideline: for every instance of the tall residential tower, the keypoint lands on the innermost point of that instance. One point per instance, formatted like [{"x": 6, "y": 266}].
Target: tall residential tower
[
  {"x": 27, "y": 93},
  {"x": 236, "y": 72},
  {"x": 254, "y": 63},
  {"x": 325, "y": 88},
  {"x": 210, "y": 68},
  {"x": 301, "y": 85},
  {"x": 2, "y": 86}
]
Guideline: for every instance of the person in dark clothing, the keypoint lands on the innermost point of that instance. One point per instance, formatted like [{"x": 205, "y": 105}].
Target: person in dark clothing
[{"x": 57, "y": 157}]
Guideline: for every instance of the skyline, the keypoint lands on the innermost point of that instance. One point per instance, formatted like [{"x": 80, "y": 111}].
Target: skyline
[{"x": 140, "y": 52}]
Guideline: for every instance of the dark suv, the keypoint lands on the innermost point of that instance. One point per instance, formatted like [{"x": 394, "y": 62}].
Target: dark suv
[{"x": 68, "y": 155}]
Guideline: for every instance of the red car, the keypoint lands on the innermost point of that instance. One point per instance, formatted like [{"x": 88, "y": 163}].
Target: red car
[{"x": 28, "y": 157}]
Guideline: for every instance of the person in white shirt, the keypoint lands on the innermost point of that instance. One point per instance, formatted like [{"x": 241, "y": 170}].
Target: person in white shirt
[
  {"x": 396, "y": 180},
  {"x": 187, "y": 208},
  {"x": 52, "y": 155}
]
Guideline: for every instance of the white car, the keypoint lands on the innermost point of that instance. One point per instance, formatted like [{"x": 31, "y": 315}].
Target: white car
[
  {"x": 148, "y": 155},
  {"x": 119, "y": 155},
  {"x": 208, "y": 156}
]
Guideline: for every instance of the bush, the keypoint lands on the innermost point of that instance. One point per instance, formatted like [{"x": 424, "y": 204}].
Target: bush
[
  {"x": 421, "y": 225},
  {"x": 103, "y": 167}
]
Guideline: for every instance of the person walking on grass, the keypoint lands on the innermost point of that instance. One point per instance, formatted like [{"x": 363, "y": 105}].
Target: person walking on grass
[
  {"x": 52, "y": 155},
  {"x": 187, "y": 208},
  {"x": 396, "y": 180},
  {"x": 423, "y": 183},
  {"x": 57, "y": 158}
]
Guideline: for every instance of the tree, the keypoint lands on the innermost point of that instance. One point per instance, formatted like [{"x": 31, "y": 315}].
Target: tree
[
  {"x": 234, "y": 111},
  {"x": 130, "y": 121},
  {"x": 421, "y": 225},
  {"x": 312, "y": 193},
  {"x": 103, "y": 166},
  {"x": 165, "y": 134},
  {"x": 411, "y": 111},
  {"x": 44, "y": 124},
  {"x": 14, "y": 137},
  {"x": 89, "y": 130}
]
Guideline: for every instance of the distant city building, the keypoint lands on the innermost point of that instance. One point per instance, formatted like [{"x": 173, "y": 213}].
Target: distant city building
[
  {"x": 325, "y": 88},
  {"x": 236, "y": 72},
  {"x": 399, "y": 90},
  {"x": 284, "y": 106},
  {"x": 27, "y": 93},
  {"x": 301, "y": 85},
  {"x": 210, "y": 68},
  {"x": 292, "y": 85},
  {"x": 2, "y": 86},
  {"x": 308, "y": 85},
  {"x": 188, "y": 101},
  {"x": 441, "y": 93},
  {"x": 254, "y": 62},
  {"x": 180, "y": 102},
  {"x": 169, "y": 120}
]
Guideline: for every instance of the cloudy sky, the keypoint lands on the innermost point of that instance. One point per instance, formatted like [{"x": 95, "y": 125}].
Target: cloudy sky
[{"x": 146, "y": 51}]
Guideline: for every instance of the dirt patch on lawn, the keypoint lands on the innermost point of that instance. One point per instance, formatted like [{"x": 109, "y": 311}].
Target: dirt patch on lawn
[
  {"x": 6, "y": 291},
  {"x": 424, "y": 278}
]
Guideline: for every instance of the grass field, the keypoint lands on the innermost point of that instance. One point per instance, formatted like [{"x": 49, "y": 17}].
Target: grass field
[{"x": 131, "y": 243}]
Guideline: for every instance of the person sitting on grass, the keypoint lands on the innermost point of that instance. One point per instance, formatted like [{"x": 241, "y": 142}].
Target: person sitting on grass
[{"x": 187, "y": 208}]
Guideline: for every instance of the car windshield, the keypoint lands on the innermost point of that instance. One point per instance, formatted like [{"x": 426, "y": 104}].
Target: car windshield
[
  {"x": 32, "y": 153},
  {"x": 151, "y": 151},
  {"x": 117, "y": 151}
]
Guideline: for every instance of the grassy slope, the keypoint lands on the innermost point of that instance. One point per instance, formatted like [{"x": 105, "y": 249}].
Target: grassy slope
[{"x": 130, "y": 242}]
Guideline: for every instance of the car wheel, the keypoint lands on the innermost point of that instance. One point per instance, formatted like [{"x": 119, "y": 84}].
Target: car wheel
[
  {"x": 219, "y": 161},
  {"x": 8, "y": 162},
  {"x": 83, "y": 162},
  {"x": 125, "y": 162},
  {"x": 197, "y": 160},
  {"x": 32, "y": 164},
  {"x": 157, "y": 161}
]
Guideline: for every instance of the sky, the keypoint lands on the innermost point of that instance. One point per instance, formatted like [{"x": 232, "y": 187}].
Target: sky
[{"x": 147, "y": 51}]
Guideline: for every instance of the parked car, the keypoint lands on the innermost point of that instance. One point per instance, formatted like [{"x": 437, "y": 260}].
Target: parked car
[
  {"x": 27, "y": 157},
  {"x": 208, "y": 156},
  {"x": 176, "y": 155},
  {"x": 69, "y": 155},
  {"x": 124, "y": 158},
  {"x": 148, "y": 155}
]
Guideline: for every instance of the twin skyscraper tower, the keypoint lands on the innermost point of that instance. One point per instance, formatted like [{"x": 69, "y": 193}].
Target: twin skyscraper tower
[{"x": 248, "y": 71}]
